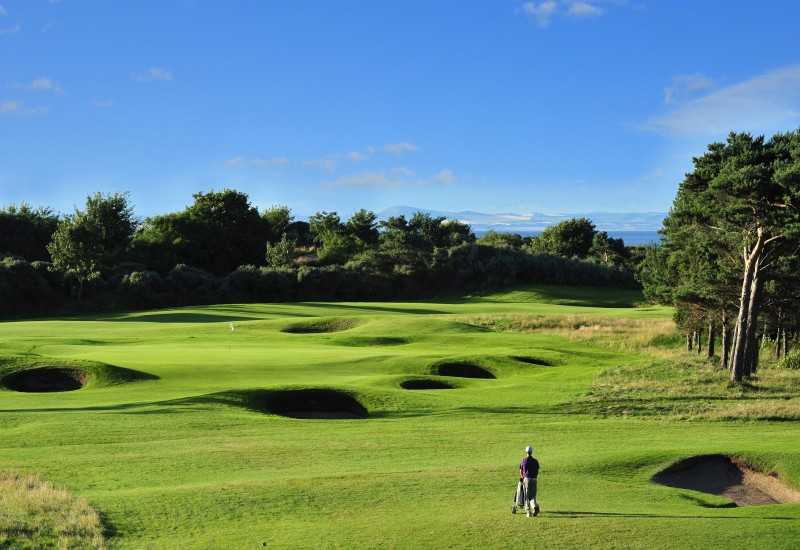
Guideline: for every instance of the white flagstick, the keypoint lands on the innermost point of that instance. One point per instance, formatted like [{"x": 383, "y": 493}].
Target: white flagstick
[{"x": 229, "y": 337}]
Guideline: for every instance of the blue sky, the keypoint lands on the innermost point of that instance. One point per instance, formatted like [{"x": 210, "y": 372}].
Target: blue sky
[{"x": 555, "y": 106}]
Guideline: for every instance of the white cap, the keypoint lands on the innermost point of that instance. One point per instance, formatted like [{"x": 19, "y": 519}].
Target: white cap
[{"x": 528, "y": 449}]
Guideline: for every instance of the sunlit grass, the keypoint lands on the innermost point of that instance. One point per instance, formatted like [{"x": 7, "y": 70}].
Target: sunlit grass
[{"x": 35, "y": 514}]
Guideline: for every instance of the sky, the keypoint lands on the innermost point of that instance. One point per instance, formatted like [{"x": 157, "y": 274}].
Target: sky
[{"x": 496, "y": 106}]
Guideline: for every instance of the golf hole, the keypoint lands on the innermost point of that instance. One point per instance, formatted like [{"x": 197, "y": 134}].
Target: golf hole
[
  {"x": 425, "y": 384},
  {"x": 46, "y": 380},
  {"x": 321, "y": 326},
  {"x": 463, "y": 370},
  {"x": 729, "y": 477},
  {"x": 533, "y": 361},
  {"x": 316, "y": 404}
]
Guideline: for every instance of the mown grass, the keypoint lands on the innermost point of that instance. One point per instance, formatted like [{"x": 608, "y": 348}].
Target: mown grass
[{"x": 192, "y": 457}]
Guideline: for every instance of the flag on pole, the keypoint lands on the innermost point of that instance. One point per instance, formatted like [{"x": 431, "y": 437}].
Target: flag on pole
[{"x": 231, "y": 327}]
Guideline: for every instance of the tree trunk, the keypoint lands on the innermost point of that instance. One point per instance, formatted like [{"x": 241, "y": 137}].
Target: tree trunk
[
  {"x": 753, "y": 347},
  {"x": 698, "y": 342},
  {"x": 711, "y": 334},
  {"x": 726, "y": 341},
  {"x": 752, "y": 258},
  {"x": 778, "y": 337},
  {"x": 689, "y": 341}
]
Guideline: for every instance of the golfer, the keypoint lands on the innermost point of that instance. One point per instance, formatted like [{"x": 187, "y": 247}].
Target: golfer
[{"x": 529, "y": 471}]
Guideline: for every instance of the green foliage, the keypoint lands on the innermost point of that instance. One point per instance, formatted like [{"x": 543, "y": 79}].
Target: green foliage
[
  {"x": 89, "y": 242},
  {"x": 25, "y": 231},
  {"x": 791, "y": 361},
  {"x": 570, "y": 238},
  {"x": 281, "y": 254}
]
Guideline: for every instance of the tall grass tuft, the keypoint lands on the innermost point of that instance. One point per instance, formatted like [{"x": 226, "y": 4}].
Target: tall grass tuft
[{"x": 35, "y": 514}]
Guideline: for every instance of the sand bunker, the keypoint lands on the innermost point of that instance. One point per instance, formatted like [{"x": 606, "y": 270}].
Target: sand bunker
[
  {"x": 316, "y": 404},
  {"x": 46, "y": 379},
  {"x": 533, "y": 361},
  {"x": 463, "y": 370},
  {"x": 321, "y": 326},
  {"x": 425, "y": 384},
  {"x": 729, "y": 477}
]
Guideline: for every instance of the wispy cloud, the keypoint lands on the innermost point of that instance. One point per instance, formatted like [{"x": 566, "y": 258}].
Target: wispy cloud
[
  {"x": 154, "y": 74},
  {"x": 328, "y": 163},
  {"x": 12, "y": 30},
  {"x": 103, "y": 103},
  {"x": 18, "y": 108},
  {"x": 445, "y": 177},
  {"x": 543, "y": 13},
  {"x": 684, "y": 85},
  {"x": 2, "y": 11},
  {"x": 585, "y": 9},
  {"x": 261, "y": 163},
  {"x": 40, "y": 84},
  {"x": 393, "y": 178},
  {"x": 766, "y": 103},
  {"x": 399, "y": 149},
  {"x": 357, "y": 156}
]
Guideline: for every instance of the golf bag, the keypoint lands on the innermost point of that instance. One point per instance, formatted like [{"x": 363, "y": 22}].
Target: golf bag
[{"x": 519, "y": 497}]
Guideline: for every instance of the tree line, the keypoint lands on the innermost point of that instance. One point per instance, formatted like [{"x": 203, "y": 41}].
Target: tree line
[
  {"x": 728, "y": 261},
  {"x": 221, "y": 248}
]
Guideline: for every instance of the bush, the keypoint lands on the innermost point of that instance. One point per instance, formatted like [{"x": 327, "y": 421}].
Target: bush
[
  {"x": 260, "y": 284},
  {"x": 190, "y": 285},
  {"x": 791, "y": 361}
]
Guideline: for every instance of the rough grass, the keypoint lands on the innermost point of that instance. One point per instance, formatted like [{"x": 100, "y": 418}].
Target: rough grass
[{"x": 35, "y": 514}]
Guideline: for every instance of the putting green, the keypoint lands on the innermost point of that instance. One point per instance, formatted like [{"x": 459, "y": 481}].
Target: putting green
[{"x": 196, "y": 449}]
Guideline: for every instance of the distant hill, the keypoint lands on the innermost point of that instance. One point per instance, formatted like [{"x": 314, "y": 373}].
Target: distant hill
[{"x": 515, "y": 223}]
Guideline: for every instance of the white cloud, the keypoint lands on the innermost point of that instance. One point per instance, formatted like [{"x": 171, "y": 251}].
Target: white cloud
[
  {"x": 12, "y": 30},
  {"x": 154, "y": 73},
  {"x": 2, "y": 11},
  {"x": 399, "y": 149},
  {"x": 103, "y": 104},
  {"x": 328, "y": 163},
  {"x": 684, "y": 85},
  {"x": 40, "y": 84},
  {"x": 17, "y": 108},
  {"x": 541, "y": 13},
  {"x": 260, "y": 163},
  {"x": 765, "y": 104},
  {"x": 396, "y": 177},
  {"x": 585, "y": 9},
  {"x": 356, "y": 156},
  {"x": 544, "y": 12},
  {"x": 445, "y": 177},
  {"x": 268, "y": 163}
]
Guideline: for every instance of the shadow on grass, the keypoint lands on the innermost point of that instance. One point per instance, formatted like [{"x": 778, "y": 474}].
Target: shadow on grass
[
  {"x": 378, "y": 308},
  {"x": 578, "y": 515}
]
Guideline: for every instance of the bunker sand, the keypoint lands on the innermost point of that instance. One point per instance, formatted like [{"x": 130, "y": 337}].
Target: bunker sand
[{"x": 729, "y": 477}]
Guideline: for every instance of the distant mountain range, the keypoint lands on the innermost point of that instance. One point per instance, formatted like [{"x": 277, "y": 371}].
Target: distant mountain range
[{"x": 525, "y": 223}]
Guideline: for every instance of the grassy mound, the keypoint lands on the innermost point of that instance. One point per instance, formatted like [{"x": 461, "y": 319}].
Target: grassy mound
[
  {"x": 37, "y": 515},
  {"x": 318, "y": 326},
  {"x": 40, "y": 375},
  {"x": 369, "y": 341}
]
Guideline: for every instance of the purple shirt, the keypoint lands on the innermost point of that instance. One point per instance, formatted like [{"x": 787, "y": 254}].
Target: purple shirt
[{"x": 529, "y": 467}]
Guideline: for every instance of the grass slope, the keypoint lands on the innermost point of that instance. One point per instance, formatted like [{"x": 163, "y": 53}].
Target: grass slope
[{"x": 186, "y": 455}]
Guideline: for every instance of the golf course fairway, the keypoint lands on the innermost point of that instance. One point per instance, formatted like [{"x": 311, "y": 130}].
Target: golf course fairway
[{"x": 372, "y": 425}]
